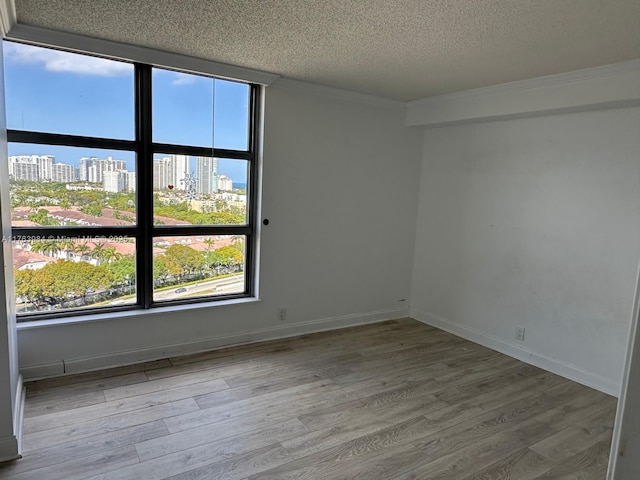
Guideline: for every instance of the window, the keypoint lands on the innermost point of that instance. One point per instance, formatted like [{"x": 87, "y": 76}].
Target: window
[{"x": 131, "y": 186}]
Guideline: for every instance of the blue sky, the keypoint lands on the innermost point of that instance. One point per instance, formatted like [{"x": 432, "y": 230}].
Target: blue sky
[{"x": 59, "y": 92}]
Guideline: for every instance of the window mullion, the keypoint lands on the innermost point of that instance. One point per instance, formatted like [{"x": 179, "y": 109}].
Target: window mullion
[{"x": 144, "y": 161}]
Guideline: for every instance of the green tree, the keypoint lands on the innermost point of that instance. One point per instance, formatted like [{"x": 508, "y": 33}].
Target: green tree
[
  {"x": 92, "y": 209},
  {"x": 60, "y": 281},
  {"x": 123, "y": 269},
  {"x": 229, "y": 257},
  {"x": 41, "y": 217},
  {"x": 166, "y": 267},
  {"x": 189, "y": 259},
  {"x": 29, "y": 288}
]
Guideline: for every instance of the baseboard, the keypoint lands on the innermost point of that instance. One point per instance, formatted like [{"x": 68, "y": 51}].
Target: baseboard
[
  {"x": 46, "y": 370},
  {"x": 117, "y": 359},
  {"x": 571, "y": 372}
]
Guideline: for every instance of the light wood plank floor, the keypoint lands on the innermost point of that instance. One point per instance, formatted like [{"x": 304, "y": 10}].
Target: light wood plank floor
[{"x": 394, "y": 400}]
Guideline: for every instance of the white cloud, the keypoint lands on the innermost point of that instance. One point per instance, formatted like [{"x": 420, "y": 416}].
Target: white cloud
[
  {"x": 182, "y": 79},
  {"x": 64, "y": 62}
]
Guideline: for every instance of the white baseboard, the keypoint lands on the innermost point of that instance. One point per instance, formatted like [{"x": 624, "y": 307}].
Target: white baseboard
[
  {"x": 46, "y": 370},
  {"x": 117, "y": 359},
  {"x": 571, "y": 372}
]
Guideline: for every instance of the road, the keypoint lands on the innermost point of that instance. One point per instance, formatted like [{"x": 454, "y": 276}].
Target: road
[{"x": 232, "y": 284}]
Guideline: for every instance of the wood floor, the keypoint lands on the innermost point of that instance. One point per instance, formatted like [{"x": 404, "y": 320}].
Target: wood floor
[{"x": 394, "y": 400}]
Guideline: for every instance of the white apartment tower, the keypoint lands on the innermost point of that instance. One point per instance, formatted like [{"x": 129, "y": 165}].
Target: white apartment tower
[
  {"x": 113, "y": 181},
  {"x": 161, "y": 173},
  {"x": 92, "y": 169},
  {"x": 178, "y": 171},
  {"x": 129, "y": 181},
  {"x": 225, "y": 183},
  {"x": 206, "y": 175},
  {"x": 61, "y": 172},
  {"x": 44, "y": 165},
  {"x": 26, "y": 171}
]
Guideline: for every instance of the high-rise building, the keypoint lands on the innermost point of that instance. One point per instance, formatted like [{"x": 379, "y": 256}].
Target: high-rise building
[
  {"x": 170, "y": 170},
  {"x": 161, "y": 173},
  {"x": 85, "y": 164},
  {"x": 26, "y": 171},
  {"x": 113, "y": 181},
  {"x": 179, "y": 171},
  {"x": 44, "y": 163},
  {"x": 93, "y": 168},
  {"x": 225, "y": 183},
  {"x": 119, "y": 181},
  {"x": 129, "y": 181},
  {"x": 206, "y": 175},
  {"x": 61, "y": 172}
]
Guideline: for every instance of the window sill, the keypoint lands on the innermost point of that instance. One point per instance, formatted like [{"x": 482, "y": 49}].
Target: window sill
[{"x": 51, "y": 322}]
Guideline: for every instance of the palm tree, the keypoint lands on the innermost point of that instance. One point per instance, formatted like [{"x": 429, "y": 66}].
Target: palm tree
[
  {"x": 110, "y": 254},
  {"x": 82, "y": 249},
  {"x": 209, "y": 242},
  {"x": 52, "y": 247},
  {"x": 97, "y": 252},
  {"x": 67, "y": 246},
  {"x": 39, "y": 247}
]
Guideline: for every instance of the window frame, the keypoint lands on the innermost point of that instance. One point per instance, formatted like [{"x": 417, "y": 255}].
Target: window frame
[{"x": 145, "y": 230}]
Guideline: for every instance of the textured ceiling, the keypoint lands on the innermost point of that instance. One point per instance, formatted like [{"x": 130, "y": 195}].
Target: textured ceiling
[{"x": 400, "y": 49}]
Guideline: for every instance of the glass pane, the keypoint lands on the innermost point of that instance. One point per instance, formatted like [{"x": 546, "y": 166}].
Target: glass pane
[
  {"x": 52, "y": 91},
  {"x": 182, "y": 108},
  {"x": 199, "y": 190},
  {"x": 65, "y": 273},
  {"x": 198, "y": 266},
  {"x": 71, "y": 186},
  {"x": 231, "y": 115},
  {"x": 199, "y": 111}
]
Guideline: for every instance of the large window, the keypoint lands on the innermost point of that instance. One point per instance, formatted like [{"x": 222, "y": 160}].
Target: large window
[{"x": 132, "y": 186}]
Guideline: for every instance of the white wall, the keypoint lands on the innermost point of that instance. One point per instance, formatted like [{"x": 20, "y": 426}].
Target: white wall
[
  {"x": 340, "y": 188},
  {"x": 534, "y": 222}
]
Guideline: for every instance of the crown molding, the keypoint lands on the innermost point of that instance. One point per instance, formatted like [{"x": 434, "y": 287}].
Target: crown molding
[
  {"x": 608, "y": 86},
  {"x": 123, "y": 51}
]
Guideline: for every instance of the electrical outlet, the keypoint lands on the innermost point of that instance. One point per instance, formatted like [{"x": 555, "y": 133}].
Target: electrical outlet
[
  {"x": 282, "y": 314},
  {"x": 520, "y": 333}
]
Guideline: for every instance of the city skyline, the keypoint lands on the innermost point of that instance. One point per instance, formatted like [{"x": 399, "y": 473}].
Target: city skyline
[
  {"x": 169, "y": 172},
  {"x": 95, "y": 97},
  {"x": 233, "y": 169}
]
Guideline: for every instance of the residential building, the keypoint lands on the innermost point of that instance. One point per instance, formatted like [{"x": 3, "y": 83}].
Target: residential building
[
  {"x": 92, "y": 169},
  {"x": 113, "y": 181},
  {"x": 61, "y": 172},
  {"x": 225, "y": 183},
  {"x": 206, "y": 175},
  {"x": 26, "y": 171}
]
